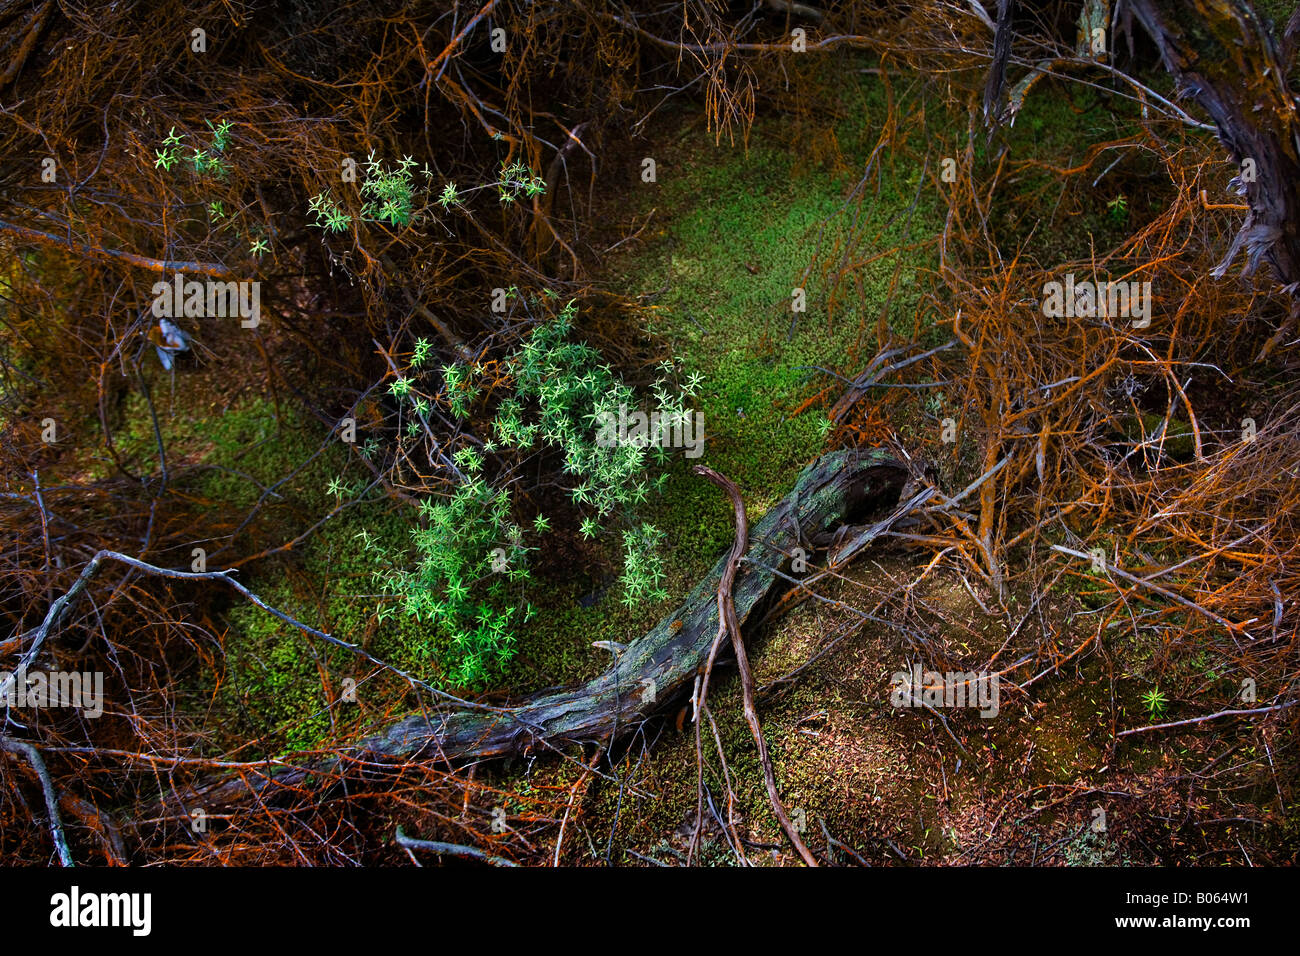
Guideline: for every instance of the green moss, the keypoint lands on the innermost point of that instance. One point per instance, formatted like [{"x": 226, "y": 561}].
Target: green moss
[
  {"x": 1175, "y": 438},
  {"x": 1276, "y": 11},
  {"x": 750, "y": 227},
  {"x": 253, "y": 440},
  {"x": 271, "y": 693},
  {"x": 269, "y": 685}
]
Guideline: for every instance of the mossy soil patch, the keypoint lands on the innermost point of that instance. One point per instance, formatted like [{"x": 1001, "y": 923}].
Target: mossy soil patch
[
  {"x": 733, "y": 236},
  {"x": 735, "y": 232}
]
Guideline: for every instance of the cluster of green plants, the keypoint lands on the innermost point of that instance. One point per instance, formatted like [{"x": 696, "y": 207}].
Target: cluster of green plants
[
  {"x": 516, "y": 180},
  {"x": 470, "y": 553},
  {"x": 1093, "y": 848},
  {"x": 210, "y": 161},
  {"x": 471, "y": 571},
  {"x": 571, "y": 392},
  {"x": 1156, "y": 702},
  {"x": 327, "y": 214},
  {"x": 389, "y": 194},
  {"x": 643, "y": 570}
]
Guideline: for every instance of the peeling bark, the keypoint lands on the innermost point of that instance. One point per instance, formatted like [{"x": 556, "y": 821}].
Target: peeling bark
[{"x": 1223, "y": 55}]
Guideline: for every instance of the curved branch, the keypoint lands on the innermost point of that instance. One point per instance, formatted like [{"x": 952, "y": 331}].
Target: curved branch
[
  {"x": 729, "y": 623},
  {"x": 214, "y": 269},
  {"x": 33, "y": 756},
  {"x": 652, "y": 672}
]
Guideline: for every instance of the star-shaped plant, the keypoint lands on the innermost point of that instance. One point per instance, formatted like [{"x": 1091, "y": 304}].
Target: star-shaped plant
[
  {"x": 1155, "y": 701},
  {"x": 448, "y": 196}
]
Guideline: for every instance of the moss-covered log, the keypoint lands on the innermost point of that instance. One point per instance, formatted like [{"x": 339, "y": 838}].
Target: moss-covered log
[
  {"x": 659, "y": 666},
  {"x": 653, "y": 671}
]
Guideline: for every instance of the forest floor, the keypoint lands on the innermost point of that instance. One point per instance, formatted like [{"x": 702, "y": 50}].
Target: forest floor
[
  {"x": 729, "y": 232},
  {"x": 732, "y": 232}
]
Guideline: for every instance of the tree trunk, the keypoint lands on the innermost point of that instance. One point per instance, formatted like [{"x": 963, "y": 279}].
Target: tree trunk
[{"x": 1222, "y": 54}]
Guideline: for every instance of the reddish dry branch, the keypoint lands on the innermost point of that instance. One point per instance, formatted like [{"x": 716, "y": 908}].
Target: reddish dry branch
[{"x": 730, "y": 624}]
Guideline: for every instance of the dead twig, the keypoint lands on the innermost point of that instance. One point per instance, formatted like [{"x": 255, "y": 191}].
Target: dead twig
[
  {"x": 727, "y": 623},
  {"x": 450, "y": 849},
  {"x": 1214, "y": 716},
  {"x": 24, "y": 749}
]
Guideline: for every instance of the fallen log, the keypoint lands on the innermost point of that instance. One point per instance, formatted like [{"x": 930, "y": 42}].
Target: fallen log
[
  {"x": 648, "y": 675},
  {"x": 662, "y": 664}
]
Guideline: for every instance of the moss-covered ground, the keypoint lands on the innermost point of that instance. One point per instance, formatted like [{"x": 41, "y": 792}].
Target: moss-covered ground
[{"x": 739, "y": 234}]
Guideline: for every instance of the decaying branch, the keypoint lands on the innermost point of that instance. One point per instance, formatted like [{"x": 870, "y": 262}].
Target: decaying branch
[
  {"x": 24, "y": 749},
  {"x": 655, "y": 670}
]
